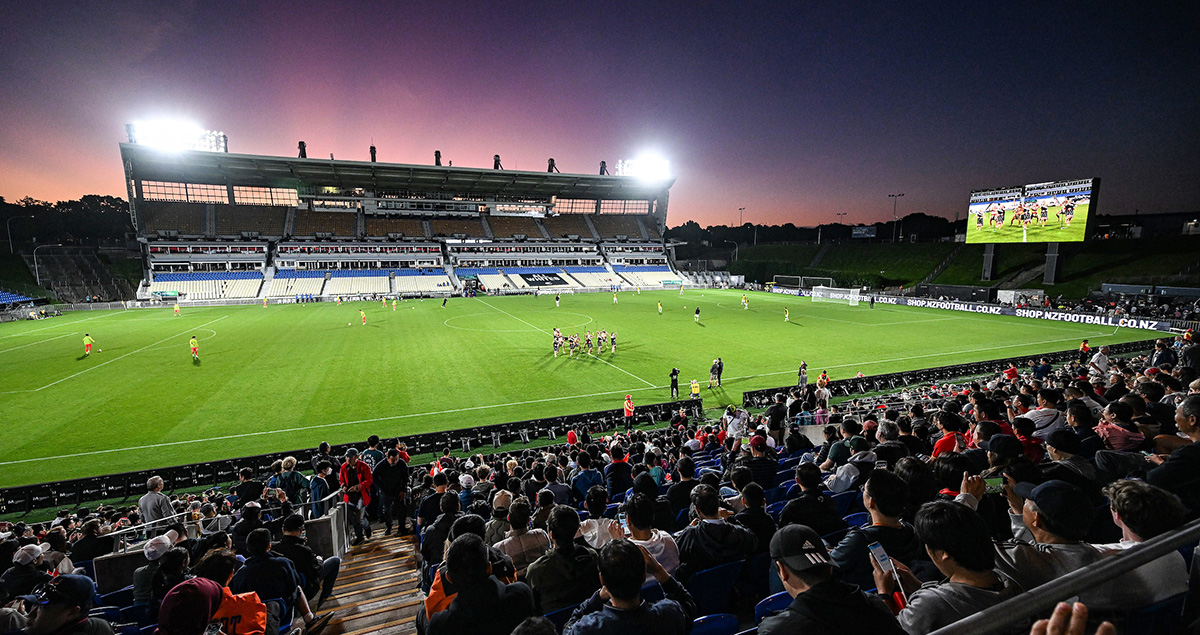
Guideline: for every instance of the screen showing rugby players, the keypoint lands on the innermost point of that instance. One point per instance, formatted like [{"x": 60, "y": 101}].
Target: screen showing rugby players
[{"x": 1051, "y": 212}]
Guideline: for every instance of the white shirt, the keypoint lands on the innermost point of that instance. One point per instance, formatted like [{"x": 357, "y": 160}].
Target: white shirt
[
  {"x": 662, "y": 546},
  {"x": 1099, "y": 363}
]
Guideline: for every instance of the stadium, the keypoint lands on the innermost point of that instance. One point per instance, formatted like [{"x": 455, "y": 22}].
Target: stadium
[{"x": 247, "y": 390}]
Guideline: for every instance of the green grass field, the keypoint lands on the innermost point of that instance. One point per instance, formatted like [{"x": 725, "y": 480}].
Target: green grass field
[{"x": 290, "y": 376}]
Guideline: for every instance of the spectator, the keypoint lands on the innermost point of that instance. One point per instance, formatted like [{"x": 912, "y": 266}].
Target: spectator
[
  {"x": 431, "y": 506},
  {"x": 1046, "y": 417},
  {"x": 1179, "y": 472},
  {"x": 813, "y": 507},
  {"x": 618, "y": 475},
  {"x": 189, "y": 607},
  {"x": 952, "y": 439},
  {"x": 92, "y": 544},
  {"x": 272, "y": 576},
  {"x": 239, "y": 614},
  {"x": 618, "y": 606},
  {"x": 567, "y": 575},
  {"x": 143, "y": 577},
  {"x": 291, "y": 481},
  {"x": 1082, "y": 423},
  {"x": 251, "y": 519},
  {"x": 851, "y": 444},
  {"x": 355, "y": 480},
  {"x": 391, "y": 480},
  {"x": 821, "y": 604},
  {"x": 497, "y": 526},
  {"x": 60, "y": 607},
  {"x": 762, "y": 467},
  {"x": 318, "y": 489},
  {"x": 639, "y": 517},
  {"x": 1049, "y": 522},
  {"x": 587, "y": 477},
  {"x": 27, "y": 572},
  {"x": 754, "y": 516},
  {"x": 523, "y": 545},
  {"x": 433, "y": 537},
  {"x": 154, "y": 506},
  {"x": 884, "y": 497},
  {"x": 776, "y": 415},
  {"x": 958, "y": 542},
  {"x": 562, "y": 493},
  {"x": 1144, "y": 511},
  {"x": 597, "y": 530},
  {"x": 319, "y": 574},
  {"x": 172, "y": 569},
  {"x": 443, "y": 591},
  {"x": 710, "y": 541},
  {"x": 1065, "y": 450},
  {"x": 545, "y": 503},
  {"x": 248, "y": 488},
  {"x": 679, "y": 494},
  {"x": 483, "y": 604}
]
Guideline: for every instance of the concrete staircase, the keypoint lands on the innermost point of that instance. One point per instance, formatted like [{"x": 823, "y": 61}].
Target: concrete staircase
[
  {"x": 937, "y": 271},
  {"x": 378, "y": 589},
  {"x": 816, "y": 260},
  {"x": 1018, "y": 280}
]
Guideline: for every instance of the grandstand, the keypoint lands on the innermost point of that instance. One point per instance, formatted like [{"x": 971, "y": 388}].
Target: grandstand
[
  {"x": 208, "y": 285},
  {"x": 566, "y": 225},
  {"x": 648, "y": 276},
  {"x": 593, "y": 276},
  {"x": 330, "y": 224},
  {"x": 235, "y": 220},
  {"x": 449, "y": 227},
  {"x": 414, "y": 282},
  {"x": 292, "y": 282},
  {"x": 504, "y": 227},
  {"x": 358, "y": 281},
  {"x": 386, "y": 226},
  {"x": 611, "y": 226}
]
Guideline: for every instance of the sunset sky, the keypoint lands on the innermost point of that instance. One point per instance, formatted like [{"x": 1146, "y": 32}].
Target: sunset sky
[{"x": 793, "y": 110}]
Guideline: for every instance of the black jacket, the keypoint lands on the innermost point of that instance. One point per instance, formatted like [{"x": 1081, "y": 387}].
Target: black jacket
[
  {"x": 757, "y": 520},
  {"x": 816, "y": 510},
  {"x": 853, "y": 560},
  {"x": 306, "y": 562},
  {"x": 708, "y": 544},
  {"x": 488, "y": 608},
  {"x": 391, "y": 479},
  {"x": 832, "y": 608}
]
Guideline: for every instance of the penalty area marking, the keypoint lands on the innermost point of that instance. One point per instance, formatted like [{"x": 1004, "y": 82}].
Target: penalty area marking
[{"x": 651, "y": 384}]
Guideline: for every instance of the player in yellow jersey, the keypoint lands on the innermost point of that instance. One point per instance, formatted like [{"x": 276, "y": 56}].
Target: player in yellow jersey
[
  {"x": 695, "y": 389},
  {"x": 195, "y": 344},
  {"x": 660, "y": 307},
  {"x": 393, "y": 304},
  {"x": 363, "y": 314},
  {"x": 614, "y": 298},
  {"x": 177, "y": 312},
  {"x": 787, "y": 316},
  {"x": 264, "y": 303},
  {"x": 87, "y": 344}
]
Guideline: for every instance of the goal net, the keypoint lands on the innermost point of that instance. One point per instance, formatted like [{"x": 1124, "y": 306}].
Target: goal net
[
  {"x": 835, "y": 294},
  {"x": 801, "y": 282}
]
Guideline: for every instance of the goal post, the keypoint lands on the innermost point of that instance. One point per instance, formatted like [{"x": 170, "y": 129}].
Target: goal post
[
  {"x": 787, "y": 282},
  {"x": 809, "y": 282},
  {"x": 836, "y": 294},
  {"x": 801, "y": 282}
]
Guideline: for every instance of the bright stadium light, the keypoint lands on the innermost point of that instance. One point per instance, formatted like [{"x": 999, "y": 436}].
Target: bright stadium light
[
  {"x": 175, "y": 136},
  {"x": 647, "y": 167}
]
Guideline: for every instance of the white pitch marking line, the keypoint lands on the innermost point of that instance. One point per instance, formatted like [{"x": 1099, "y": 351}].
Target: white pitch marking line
[
  {"x": 651, "y": 384},
  {"x": 194, "y": 328},
  {"x": 38, "y": 342},
  {"x": 67, "y": 324}
]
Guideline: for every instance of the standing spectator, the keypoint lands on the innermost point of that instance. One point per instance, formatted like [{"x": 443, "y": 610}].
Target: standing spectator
[
  {"x": 291, "y": 481},
  {"x": 355, "y": 480},
  {"x": 566, "y": 575},
  {"x": 433, "y": 536},
  {"x": 248, "y": 488},
  {"x": 618, "y": 607},
  {"x": 154, "y": 506},
  {"x": 483, "y": 605},
  {"x": 318, "y": 489},
  {"x": 821, "y": 604},
  {"x": 628, "y": 413},
  {"x": 391, "y": 479},
  {"x": 776, "y": 415}
]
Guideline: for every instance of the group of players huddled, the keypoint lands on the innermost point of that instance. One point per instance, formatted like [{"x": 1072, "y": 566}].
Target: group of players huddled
[
  {"x": 570, "y": 343},
  {"x": 1032, "y": 211}
]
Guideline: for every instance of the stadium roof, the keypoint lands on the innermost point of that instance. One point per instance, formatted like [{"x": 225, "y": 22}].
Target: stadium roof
[{"x": 220, "y": 168}]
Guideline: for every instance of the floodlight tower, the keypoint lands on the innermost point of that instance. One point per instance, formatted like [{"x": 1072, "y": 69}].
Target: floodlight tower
[{"x": 895, "y": 199}]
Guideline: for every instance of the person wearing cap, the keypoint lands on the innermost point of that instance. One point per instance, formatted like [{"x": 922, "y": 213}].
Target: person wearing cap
[
  {"x": 143, "y": 577},
  {"x": 355, "y": 480},
  {"x": 26, "y": 573},
  {"x": 618, "y": 606},
  {"x": 188, "y": 608},
  {"x": 762, "y": 466},
  {"x": 60, "y": 607},
  {"x": 958, "y": 541},
  {"x": 1003, "y": 450},
  {"x": 709, "y": 540},
  {"x": 1064, "y": 448},
  {"x": 1049, "y": 523},
  {"x": 821, "y": 604}
]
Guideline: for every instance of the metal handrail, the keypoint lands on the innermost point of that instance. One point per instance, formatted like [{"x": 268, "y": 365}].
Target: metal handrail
[{"x": 1038, "y": 602}]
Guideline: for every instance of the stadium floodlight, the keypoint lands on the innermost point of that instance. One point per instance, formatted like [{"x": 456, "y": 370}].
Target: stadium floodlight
[
  {"x": 176, "y": 136},
  {"x": 647, "y": 167}
]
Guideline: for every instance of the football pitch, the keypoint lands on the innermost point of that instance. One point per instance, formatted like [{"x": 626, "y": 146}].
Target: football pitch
[{"x": 292, "y": 375}]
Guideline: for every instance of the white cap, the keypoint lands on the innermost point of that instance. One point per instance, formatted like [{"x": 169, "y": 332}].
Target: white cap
[
  {"x": 159, "y": 545},
  {"x": 28, "y": 554},
  {"x": 466, "y": 480}
]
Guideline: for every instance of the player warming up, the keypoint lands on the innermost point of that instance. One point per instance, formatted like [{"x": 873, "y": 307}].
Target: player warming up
[
  {"x": 557, "y": 298},
  {"x": 393, "y": 304},
  {"x": 265, "y": 301},
  {"x": 614, "y": 342},
  {"x": 195, "y": 344},
  {"x": 697, "y": 318},
  {"x": 745, "y": 302},
  {"x": 177, "y": 311},
  {"x": 614, "y": 298},
  {"x": 87, "y": 345},
  {"x": 660, "y": 307},
  {"x": 363, "y": 315},
  {"x": 787, "y": 316}
]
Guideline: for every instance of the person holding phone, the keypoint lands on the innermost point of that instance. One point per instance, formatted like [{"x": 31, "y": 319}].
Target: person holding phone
[{"x": 959, "y": 544}]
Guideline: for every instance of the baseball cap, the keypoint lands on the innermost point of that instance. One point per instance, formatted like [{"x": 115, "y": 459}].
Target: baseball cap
[
  {"x": 757, "y": 442},
  {"x": 629, "y": 396},
  {"x": 157, "y": 546},
  {"x": 466, "y": 480},
  {"x": 72, "y": 590},
  {"x": 799, "y": 547},
  {"x": 1065, "y": 441},
  {"x": 352, "y": 452},
  {"x": 1064, "y": 504},
  {"x": 1004, "y": 445},
  {"x": 27, "y": 554},
  {"x": 252, "y": 505},
  {"x": 502, "y": 499}
]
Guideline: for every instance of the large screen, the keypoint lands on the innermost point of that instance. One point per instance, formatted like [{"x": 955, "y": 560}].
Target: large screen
[{"x": 1053, "y": 212}]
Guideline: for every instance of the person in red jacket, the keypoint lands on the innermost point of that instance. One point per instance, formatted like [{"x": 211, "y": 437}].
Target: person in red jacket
[
  {"x": 355, "y": 479},
  {"x": 628, "y": 412}
]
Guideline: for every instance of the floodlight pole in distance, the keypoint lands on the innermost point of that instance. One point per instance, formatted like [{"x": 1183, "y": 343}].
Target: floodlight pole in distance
[
  {"x": 895, "y": 199},
  {"x": 9, "y": 225},
  {"x": 735, "y": 248},
  {"x": 36, "y": 273}
]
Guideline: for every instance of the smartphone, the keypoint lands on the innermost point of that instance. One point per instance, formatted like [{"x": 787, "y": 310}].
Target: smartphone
[
  {"x": 268, "y": 492},
  {"x": 881, "y": 557},
  {"x": 213, "y": 628},
  {"x": 621, "y": 519},
  {"x": 881, "y": 465},
  {"x": 993, "y": 485}
]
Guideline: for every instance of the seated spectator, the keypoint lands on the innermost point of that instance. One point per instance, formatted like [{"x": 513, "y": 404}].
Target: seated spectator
[
  {"x": 1117, "y": 429},
  {"x": 251, "y": 519},
  {"x": 92, "y": 544},
  {"x": 1083, "y": 424},
  {"x": 1046, "y": 417},
  {"x": 27, "y": 573},
  {"x": 60, "y": 607},
  {"x": 710, "y": 541},
  {"x": 1065, "y": 448},
  {"x": 762, "y": 467},
  {"x": 545, "y": 503},
  {"x": 143, "y": 577},
  {"x": 639, "y": 517},
  {"x": 821, "y": 604},
  {"x": 663, "y": 518},
  {"x": 482, "y": 604},
  {"x": 562, "y": 493},
  {"x": 1049, "y": 522},
  {"x": 618, "y": 475},
  {"x": 890, "y": 448},
  {"x": 597, "y": 530},
  {"x": 813, "y": 507},
  {"x": 497, "y": 526},
  {"x": 587, "y": 478},
  {"x": 523, "y": 545},
  {"x": 442, "y": 592},
  {"x": 272, "y": 576},
  {"x": 172, "y": 569},
  {"x": 754, "y": 516},
  {"x": 952, "y": 439},
  {"x": 618, "y": 606},
  {"x": 566, "y": 575},
  {"x": 430, "y": 506},
  {"x": 239, "y": 614},
  {"x": 1033, "y": 446},
  {"x": 884, "y": 497},
  {"x": 1143, "y": 511},
  {"x": 1179, "y": 472},
  {"x": 433, "y": 537},
  {"x": 958, "y": 542},
  {"x": 851, "y": 444},
  {"x": 1003, "y": 451},
  {"x": 319, "y": 574},
  {"x": 679, "y": 494},
  {"x": 189, "y": 607}
]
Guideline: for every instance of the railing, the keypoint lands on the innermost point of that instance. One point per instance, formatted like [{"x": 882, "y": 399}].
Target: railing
[{"x": 1037, "y": 603}]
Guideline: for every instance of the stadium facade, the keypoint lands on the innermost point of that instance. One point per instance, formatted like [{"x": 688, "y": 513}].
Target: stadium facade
[{"x": 223, "y": 226}]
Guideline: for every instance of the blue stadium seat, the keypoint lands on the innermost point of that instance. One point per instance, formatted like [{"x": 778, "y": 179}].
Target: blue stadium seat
[
  {"x": 775, "y": 509},
  {"x": 857, "y": 519},
  {"x": 559, "y": 618},
  {"x": 771, "y": 606},
  {"x": 711, "y": 588},
  {"x": 120, "y": 597},
  {"x": 845, "y": 501},
  {"x": 718, "y": 624}
]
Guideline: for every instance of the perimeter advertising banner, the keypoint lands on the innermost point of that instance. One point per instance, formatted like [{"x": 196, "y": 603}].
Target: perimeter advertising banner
[
  {"x": 543, "y": 279},
  {"x": 993, "y": 309},
  {"x": 1051, "y": 212}
]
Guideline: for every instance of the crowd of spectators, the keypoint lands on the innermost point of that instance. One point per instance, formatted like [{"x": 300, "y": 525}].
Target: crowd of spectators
[{"x": 977, "y": 492}]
